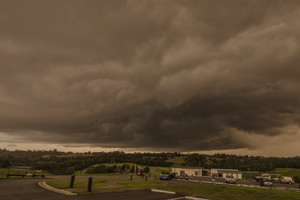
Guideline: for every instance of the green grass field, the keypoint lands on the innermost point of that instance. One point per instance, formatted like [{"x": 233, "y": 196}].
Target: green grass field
[
  {"x": 4, "y": 171},
  {"x": 64, "y": 184},
  {"x": 292, "y": 172},
  {"x": 216, "y": 192}
]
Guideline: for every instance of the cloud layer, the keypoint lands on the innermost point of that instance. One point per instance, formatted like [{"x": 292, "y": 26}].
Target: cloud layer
[{"x": 175, "y": 75}]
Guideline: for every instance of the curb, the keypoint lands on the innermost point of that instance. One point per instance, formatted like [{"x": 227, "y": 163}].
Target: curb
[
  {"x": 44, "y": 185},
  {"x": 171, "y": 192},
  {"x": 194, "y": 198},
  {"x": 163, "y": 191}
]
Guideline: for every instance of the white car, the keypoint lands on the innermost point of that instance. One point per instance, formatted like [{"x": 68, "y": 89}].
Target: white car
[
  {"x": 266, "y": 182},
  {"x": 230, "y": 179},
  {"x": 274, "y": 177},
  {"x": 266, "y": 176}
]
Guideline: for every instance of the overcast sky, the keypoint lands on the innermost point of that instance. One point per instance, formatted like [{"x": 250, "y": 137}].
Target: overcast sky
[{"x": 189, "y": 76}]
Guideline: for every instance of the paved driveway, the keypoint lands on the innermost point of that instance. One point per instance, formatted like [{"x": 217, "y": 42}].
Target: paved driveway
[{"x": 28, "y": 189}]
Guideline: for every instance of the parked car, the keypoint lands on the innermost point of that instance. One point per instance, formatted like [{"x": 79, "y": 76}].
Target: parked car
[
  {"x": 266, "y": 176},
  {"x": 274, "y": 178},
  {"x": 174, "y": 175},
  {"x": 230, "y": 179},
  {"x": 266, "y": 182},
  {"x": 257, "y": 178},
  {"x": 287, "y": 179},
  {"x": 183, "y": 176},
  {"x": 263, "y": 176},
  {"x": 165, "y": 176}
]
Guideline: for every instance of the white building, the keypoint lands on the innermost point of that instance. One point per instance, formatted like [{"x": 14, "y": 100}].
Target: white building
[
  {"x": 190, "y": 171},
  {"x": 224, "y": 172}
]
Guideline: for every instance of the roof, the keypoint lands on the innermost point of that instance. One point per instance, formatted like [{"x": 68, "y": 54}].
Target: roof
[
  {"x": 228, "y": 170},
  {"x": 187, "y": 167}
]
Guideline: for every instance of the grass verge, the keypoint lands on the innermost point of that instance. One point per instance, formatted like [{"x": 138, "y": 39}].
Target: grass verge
[
  {"x": 64, "y": 184},
  {"x": 217, "y": 192}
]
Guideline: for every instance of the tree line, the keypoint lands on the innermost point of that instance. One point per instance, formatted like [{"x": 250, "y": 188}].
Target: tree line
[{"x": 67, "y": 162}]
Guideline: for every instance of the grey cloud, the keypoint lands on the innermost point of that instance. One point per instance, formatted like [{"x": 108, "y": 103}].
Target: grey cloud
[{"x": 132, "y": 74}]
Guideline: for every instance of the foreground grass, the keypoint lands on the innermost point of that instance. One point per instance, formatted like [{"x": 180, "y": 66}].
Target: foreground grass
[
  {"x": 231, "y": 192},
  {"x": 64, "y": 184},
  {"x": 218, "y": 192}
]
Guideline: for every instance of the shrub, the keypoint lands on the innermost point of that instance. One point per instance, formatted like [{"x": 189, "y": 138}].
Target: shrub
[{"x": 146, "y": 170}]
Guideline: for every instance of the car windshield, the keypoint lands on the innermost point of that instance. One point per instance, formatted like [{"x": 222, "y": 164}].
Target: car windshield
[{"x": 165, "y": 173}]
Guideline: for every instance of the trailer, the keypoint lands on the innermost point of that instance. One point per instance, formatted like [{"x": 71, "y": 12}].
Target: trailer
[{"x": 287, "y": 179}]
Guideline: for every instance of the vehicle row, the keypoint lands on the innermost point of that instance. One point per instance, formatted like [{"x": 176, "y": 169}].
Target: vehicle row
[
  {"x": 173, "y": 175},
  {"x": 270, "y": 178},
  {"x": 264, "y": 180}
]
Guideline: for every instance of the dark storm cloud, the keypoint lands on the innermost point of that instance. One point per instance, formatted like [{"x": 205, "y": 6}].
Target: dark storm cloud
[{"x": 201, "y": 75}]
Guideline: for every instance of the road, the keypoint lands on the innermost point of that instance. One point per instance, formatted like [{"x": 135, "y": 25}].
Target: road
[
  {"x": 28, "y": 189},
  {"x": 249, "y": 183}
]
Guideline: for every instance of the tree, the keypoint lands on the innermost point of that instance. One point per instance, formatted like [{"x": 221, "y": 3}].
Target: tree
[
  {"x": 96, "y": 170},
  {"x": 195, "y": 160},
  {"x": 132, "y": 169},
  {"x": 111, "y": 170},
  {"x": 146, "y": 170},
  {"x": 125, "y": 167},
  {"x": 5, "y": 164}
]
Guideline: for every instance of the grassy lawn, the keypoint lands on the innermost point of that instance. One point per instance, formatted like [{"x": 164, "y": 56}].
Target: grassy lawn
[
  {"x": 217, "y": 192},
  {"x": 4, "y": 171},
  {"x": 64, "y": 184},
  {"x": 292, "y": 172}
]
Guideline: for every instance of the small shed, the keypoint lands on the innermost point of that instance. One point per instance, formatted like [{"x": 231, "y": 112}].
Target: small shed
[
  {"x": 222, "y": 173},
  {"x": 190, "y": 171}
]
